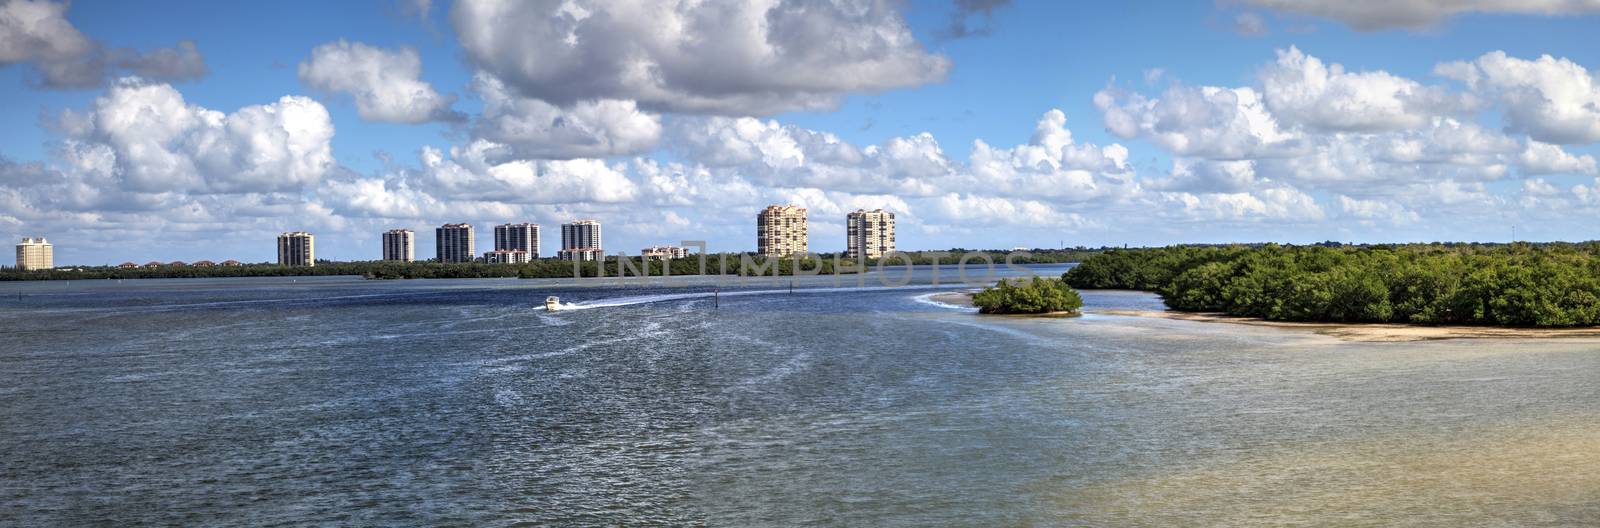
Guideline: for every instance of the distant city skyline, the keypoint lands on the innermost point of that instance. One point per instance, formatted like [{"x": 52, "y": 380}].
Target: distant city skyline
[{"x": 192, "y": 130}]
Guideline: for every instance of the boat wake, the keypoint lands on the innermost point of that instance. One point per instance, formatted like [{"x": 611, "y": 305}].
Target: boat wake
[{"x": 645, "y": 299}]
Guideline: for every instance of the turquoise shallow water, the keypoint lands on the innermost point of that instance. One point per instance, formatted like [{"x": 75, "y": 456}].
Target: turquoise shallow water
[{"x": 334, "y": 400}]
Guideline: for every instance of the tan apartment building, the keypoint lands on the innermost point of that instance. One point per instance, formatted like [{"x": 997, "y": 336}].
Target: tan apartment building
[
  {"x": 298, "y": 248},
  {"x": 517, "y": 237},
  {"x": 35, "y": 253},
  {"x": 871, "y": 233},
  {"x": 781, "y": 230},
  {"x": 400, "y": 244}
]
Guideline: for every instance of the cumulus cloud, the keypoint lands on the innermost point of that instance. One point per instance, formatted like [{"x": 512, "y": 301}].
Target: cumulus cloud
[
  {"x": 1377, "y": 211},
  {"x": 537, "y": 129},
  {"x": 1302, "y": 90},
  {"x": 145, "y": 137},
  {"x": 990, "y": 211},
  {"x": 1373, "y": 15},
  {"x": 471, "y": 172},
  {"x": 717, "y": 57},
  {"x": 1552, "y": 100},
  {"x": 13, "y": 174},
  {"x": 385, "y": 84},
  {"x": 1206, "y": 121},
  {"x": 37, "y": 32},
  {"x": 1275, "y": 203},
  {"x": 1317, "y": 126}
]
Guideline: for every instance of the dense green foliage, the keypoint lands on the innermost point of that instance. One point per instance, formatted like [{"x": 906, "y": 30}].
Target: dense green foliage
[
  {"x": 1036, "y": 296},
  {"x": 1504, "y": 285}
]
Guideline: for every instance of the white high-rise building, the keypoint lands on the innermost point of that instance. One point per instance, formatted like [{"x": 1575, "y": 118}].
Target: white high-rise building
[
  {"x": 455, "y": 243},
  {"x": 35, "y": 253},
  {"x": 871, "y": 233},
  {"x": 781, "y": 231},
  {"x": 298, "y": 248},
  {"x": 517, "y": 237},
  {"x": 399, "y": 244},
  {"x": 580, "y": 240}
]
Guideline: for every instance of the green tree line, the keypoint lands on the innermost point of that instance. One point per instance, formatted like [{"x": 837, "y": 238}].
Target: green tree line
[{"x": 1546, "y": 285}]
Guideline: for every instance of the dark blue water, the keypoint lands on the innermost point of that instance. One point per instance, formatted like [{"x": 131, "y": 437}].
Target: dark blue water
[{"x": 462, "y": 402}]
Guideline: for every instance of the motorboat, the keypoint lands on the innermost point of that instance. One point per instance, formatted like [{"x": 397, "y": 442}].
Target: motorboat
[{"x": 552, "y": 303}]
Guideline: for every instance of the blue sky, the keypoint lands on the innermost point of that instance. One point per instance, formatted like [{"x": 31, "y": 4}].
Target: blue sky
[{"x": 1442, "y": 122}]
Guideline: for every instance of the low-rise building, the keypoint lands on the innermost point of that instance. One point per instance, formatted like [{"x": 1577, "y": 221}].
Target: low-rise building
[
  {"x": 508, "y": 256},
  {"x": 581, "y": 254},
  {"x": 664, "y": 252}
]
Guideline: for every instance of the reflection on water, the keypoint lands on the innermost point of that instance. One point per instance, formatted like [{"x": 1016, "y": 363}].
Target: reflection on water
[{"x": 264, "y": 401}]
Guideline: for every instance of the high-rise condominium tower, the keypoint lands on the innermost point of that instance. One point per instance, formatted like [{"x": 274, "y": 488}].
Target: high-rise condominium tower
[
  {"x": 871, "y": 233},
  {"x": 35, "y": 254},
  {"x": 456, "y": 243},
  {"x": 580, "y": 240},
  {"x": 517, "y": 237},
  {"x": 297, "y": 249},
  {"x": 781, "y": 230},
  {"x": 399, "y": 244}
]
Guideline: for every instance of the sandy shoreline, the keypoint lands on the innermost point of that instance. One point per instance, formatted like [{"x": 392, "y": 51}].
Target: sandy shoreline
[
  {"x": 1372, "y": 332},
  {"x": 960, "y": 298},
  {"x": 1366, "y": 332}
]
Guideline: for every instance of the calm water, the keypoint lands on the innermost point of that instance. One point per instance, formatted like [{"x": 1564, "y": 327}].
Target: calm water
[{"x": 461, "y": 402}]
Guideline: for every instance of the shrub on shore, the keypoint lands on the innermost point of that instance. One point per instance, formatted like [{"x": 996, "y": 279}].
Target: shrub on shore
[
  {"x": 1037, "y": 296},
  {"x": 1504, "y": 285}
]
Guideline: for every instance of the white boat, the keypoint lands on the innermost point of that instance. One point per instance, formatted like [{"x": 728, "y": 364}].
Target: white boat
[{"x": 551, "y": 303}]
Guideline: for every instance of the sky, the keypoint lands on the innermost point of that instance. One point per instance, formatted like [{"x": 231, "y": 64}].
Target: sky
[{"x": 179, "y": 130}]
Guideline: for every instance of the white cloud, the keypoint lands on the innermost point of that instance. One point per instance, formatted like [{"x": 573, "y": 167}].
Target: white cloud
[
  {"x": 1302, "y": 90},
  {"x": 589, "y": 128},
  {"x": 1372, "y": 15},
  {"x": 1544, "y": 158},
  {"x": 37, "y": 32},
  {"x": 150, "y": 140},
  {"x": 719, "y": 57},
  {"x": 386, "y": 84},
  {"x": 1319, "y": 127},
  {"x": 1552, "y": 100},
  {"x": 1207, "y": 121},
  {"x": 991, "y": 211},
  {"x": 1377, "y": 211},
  {"x": 1275, "y": 203},
  {"x": 472, "y": 172}
]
